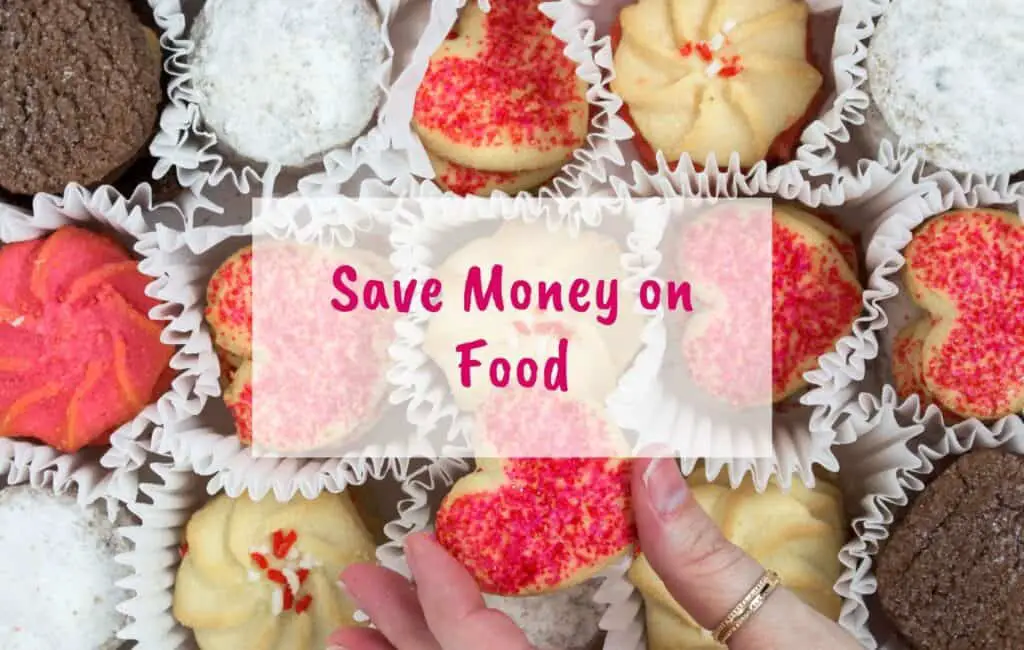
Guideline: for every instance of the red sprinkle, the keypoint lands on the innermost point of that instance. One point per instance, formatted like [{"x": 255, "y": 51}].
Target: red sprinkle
[
  {"x": 183, "y": 549},
  {"x": 687, "y": 48},
  {"x": 274, "y": 575},
  {"x": 283, "y": 542},
  {"x": 303, "y": 574},
  {"x": 289, "y": 599},
  {"x": 260, "y": 560},
  {"x": 704, "y": 51},
  {"x": 303, "y": 603}
]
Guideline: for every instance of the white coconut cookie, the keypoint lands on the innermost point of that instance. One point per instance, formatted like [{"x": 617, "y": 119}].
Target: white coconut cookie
[
  {"x": 286, "y": 82},
  {"x": 563, "y": 620},
  {"x": 57, "y": 573},
  {"x": 945, "y": 77}
]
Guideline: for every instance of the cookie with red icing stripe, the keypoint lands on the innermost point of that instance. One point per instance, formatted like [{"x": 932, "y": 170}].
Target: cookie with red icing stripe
[
  {"x": 532, "y": 525},
  {"x": 79, "y": 355},
  {"x": 500, "y": 96},
  {"x": 966, "y": 269}
]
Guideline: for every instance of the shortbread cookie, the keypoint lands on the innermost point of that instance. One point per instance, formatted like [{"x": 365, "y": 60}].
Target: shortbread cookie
[
  {"x": 500, "y": 95},
  {"x": 964, "y": 269},
  {"x": 815, "y": 297},
  {"x": 264, "y": 574},
  {"x": 716, "y": 77},
  {"x": 525, "y": 526},
  {"x": 466, "y": 180},
  {"x": 79, "y": 354},
  {"x": 797, "y": 533}
]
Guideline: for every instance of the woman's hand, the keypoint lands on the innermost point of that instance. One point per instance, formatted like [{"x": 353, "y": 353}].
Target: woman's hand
[{"x": 703, "y": 571}]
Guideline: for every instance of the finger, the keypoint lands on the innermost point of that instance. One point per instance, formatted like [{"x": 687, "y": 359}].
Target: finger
[
  {"x": 358, "y": 638},
  {"x": 708, "y": 575},
  {"x": 452, "y": 604},
  {"x": 703, "y": 571},
  {"x": 390, "y": 602}
]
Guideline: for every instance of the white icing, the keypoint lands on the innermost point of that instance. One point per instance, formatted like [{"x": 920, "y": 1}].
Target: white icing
[
  {"x": 287, "y": 81},
  {"x": 945, "y": 75},
  {"x": 563, "y": 620},
  {"x": 57, "y": 574}
]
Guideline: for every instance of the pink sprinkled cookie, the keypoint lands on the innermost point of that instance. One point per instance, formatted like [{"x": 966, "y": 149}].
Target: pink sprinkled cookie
[
  {"x": 815, "y": 296},
  {"x": 229, "y": 304},
  {"x": 966, "y": 269},
  {"x": 533, "y": 525}
]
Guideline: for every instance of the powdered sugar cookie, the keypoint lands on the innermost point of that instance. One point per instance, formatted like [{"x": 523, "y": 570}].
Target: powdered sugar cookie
[
  {"x": 531, "y": 525},
  {"x": 286, "y": 82},
  {"x": 567, "y": 619},
  {"x": 500, "y": 95},
  {"x": 965, "y": 269},
  {"x": 945, "y": 78}
]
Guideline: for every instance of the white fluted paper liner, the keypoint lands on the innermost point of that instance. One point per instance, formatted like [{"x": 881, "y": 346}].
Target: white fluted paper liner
[
  {"x": 885, "y": 261},
  {"x": 207, "y": 443},
  {"x": 897, "y": 454},
  {"x": 589, "y": 22},
  {"x": 128, "y": 444},
  {"x": 588, "y": 164},
  {"x": 185, "y": 147},
  {"x": 854, "y": 30},
  {"x": 805, "y": 436}
]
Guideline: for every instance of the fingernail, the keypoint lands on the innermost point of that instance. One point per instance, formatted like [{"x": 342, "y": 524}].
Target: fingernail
[{"x": 666, "y": 487}]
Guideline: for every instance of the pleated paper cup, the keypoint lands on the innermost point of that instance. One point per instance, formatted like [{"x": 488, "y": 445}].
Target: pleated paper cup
[
  {"x": 588, "y": 164},
  {"x": 186, "y": 148},
  {"x": 187, "y": 395}
]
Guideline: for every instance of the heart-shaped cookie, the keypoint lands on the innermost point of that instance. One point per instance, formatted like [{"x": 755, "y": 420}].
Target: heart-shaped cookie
[
  {"x": 499, "y": 94},
  {"x": 966, "y": 269},
  {"x": 815, "y": 297},
  {"x": 80, "y": 355},
  {"x": 531, "y": 525}
]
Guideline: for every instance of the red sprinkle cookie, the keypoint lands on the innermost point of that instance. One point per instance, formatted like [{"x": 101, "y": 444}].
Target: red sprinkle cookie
[
  {"x": 966, "y": 269},
  {"x": 716, "y": 77},
  {"x": 501, "y": 96},
  {"x": 815, "y": 297},
  {"x": 531, "y": 525},
  {"x": 79, "y": 355},
  {"x": 229, "y": 304}
]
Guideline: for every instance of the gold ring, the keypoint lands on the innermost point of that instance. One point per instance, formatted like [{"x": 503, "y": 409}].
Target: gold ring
[{"x": 747, "y": 607}]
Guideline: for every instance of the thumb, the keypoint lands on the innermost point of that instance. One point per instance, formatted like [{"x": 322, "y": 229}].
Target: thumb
[{"x": 705, "y": 573}]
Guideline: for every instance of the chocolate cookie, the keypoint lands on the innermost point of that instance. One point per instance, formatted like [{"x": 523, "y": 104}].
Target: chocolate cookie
[
  {"x": 78, "y": 97},
  {"x": 952, "y": 574}
]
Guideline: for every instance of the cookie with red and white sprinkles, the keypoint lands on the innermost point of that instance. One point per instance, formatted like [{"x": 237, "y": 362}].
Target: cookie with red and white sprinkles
[
  {"x": 258, "y": 570},
  {"x": 966, "y": 269},
  {"x": 229, "y": 304},
  {"x": 500, "y": 95},
  {"x": 532, "y": 525}
]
